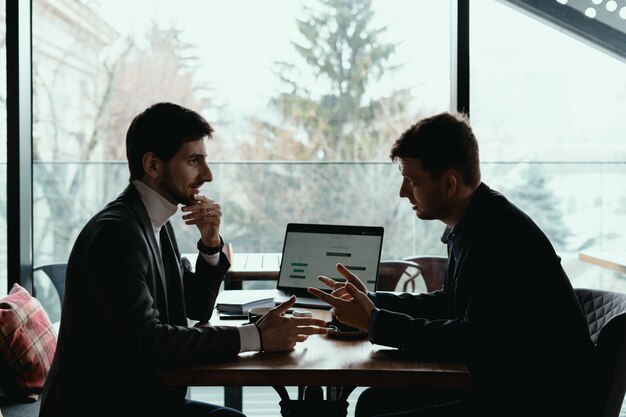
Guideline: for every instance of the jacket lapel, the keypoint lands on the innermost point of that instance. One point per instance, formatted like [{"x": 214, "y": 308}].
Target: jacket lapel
[
  {"x": 137, "y": 206},
  {"x": 173, "y": 247},
  {"x": 173, "y": 269}
]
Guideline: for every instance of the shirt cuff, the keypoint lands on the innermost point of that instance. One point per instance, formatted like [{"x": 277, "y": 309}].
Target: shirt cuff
[
  {"x": 212, "y": 260},
  {"x": 372, "y": 329},
  {"x": 250, "y": 338}
]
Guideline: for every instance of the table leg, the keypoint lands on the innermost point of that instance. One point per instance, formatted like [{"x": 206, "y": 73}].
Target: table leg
[
  {"x": 311, "y": 402},
  {"x": 282, "y": 391},
  {"x": 233, "y": 397},
  {"x": 335, "y": 393},
  {"x": 233, "y": 285}
]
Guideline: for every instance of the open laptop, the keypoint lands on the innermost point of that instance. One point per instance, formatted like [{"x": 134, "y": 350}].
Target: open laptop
[{"x": 310, "y": 250}]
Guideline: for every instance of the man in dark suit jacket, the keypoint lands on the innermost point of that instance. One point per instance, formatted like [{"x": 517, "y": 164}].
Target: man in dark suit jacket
[
  {"x": 507, "y": 308},
  {"x": 128, "y": 293}
]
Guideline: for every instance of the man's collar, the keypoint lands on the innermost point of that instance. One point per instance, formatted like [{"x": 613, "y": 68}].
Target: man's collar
[
  {"x": 455, "y": 233},
  {"x": 445, "y": 236},
  {"x": 159, "y": 209}
]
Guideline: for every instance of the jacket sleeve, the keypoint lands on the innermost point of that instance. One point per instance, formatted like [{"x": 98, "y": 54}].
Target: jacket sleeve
[
  {"x": 202, "y": 286},
  {"x": 426, "y": 338},
  {"x": 426, "y": 305},
  {"x": 135, "y": 318}
]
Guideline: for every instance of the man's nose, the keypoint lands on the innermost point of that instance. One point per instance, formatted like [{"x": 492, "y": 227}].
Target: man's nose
[
  {"x": 402, "y": 193},
  {"x": 207, "y": 175}
]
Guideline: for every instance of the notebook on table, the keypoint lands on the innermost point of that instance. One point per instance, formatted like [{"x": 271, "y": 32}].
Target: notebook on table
[
  {"x": 239, "y": 302},
  {"x": 310, "y": 250}
]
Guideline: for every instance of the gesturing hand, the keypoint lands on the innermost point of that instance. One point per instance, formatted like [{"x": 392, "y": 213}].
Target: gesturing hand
[
  {"x": 350, "y": 301},
  {"x": 279, "y": 332},
  {"x": 339, "y": 288}
]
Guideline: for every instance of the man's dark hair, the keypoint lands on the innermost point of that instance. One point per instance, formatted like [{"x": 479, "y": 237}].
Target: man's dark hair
[
  {"x": 441, "y": 142},
  {"x": 162, "y": 128}
]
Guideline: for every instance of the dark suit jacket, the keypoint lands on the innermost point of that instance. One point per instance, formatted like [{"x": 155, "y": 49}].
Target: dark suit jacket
[
  {"x": 119, "y": 323},
  {"x": 508, "y": 310}
]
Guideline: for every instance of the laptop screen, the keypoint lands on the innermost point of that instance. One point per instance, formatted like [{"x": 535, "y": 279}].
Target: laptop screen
[{"x": 311, "y": 250}]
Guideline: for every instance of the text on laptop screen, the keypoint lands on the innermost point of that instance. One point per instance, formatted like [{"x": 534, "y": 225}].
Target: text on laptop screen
[{"x": 306, "y": 255}]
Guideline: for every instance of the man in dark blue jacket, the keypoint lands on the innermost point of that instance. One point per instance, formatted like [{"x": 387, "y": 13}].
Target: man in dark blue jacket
[{"x": 507, "y": 308}]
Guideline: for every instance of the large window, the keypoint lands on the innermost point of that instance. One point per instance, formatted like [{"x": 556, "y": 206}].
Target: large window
[
  {"x": 303, "y": 127},
  {"x": 547, "y": 108},
  {"x": 306, "y": 99}
]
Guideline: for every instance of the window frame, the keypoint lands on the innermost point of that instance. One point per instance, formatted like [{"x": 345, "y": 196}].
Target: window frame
[{"x": 19, "y": 144}]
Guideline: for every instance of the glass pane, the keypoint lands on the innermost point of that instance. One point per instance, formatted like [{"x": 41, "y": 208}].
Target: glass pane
[
  {"x": 258, "y": 78},
  {"x": 309, "y": 193},
  {"x": 3, "y": 152},
  {"x": 547, "y": 109}
]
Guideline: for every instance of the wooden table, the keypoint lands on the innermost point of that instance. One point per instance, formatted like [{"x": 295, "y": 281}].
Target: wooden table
[
  {"x": 252, "y": 266},
  {"x": 321, "y": 360},
  {"x": 613, "y": 260}
]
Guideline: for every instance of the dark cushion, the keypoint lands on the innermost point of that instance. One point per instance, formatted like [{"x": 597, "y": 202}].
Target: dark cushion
[
  {"x": 612, "y": 357},
  {"x": 600, "y": 307},
  {"x": 606, "y": 317}
]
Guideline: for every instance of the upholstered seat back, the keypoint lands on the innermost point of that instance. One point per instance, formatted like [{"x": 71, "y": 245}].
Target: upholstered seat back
[{"x": 606, "y": 318}]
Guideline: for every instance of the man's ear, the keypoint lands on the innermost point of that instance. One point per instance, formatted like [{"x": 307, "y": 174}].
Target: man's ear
[
  {"x": 451, "y": 184},
  {"x": 151, "y": 164}
]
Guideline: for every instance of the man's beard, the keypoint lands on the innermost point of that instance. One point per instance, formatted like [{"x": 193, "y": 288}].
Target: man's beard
[{"x": 179, "y": 197}]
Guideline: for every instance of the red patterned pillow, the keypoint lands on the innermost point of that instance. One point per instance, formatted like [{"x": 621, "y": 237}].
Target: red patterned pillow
[{"x": 27, "y": 342}]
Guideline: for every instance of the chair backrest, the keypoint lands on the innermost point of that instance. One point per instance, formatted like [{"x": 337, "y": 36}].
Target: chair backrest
[
  {"x": 400, "y": 275},
  {"x": 43, "y": 275},
  {"x": 433, "y": 269},
  {"x": 56, "y": 273},
  {"x": 606, "y": 317}
]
